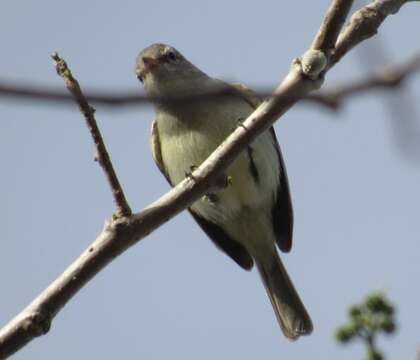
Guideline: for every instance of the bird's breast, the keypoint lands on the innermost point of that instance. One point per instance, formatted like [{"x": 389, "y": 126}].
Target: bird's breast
[{"x": 187, "y": 140}]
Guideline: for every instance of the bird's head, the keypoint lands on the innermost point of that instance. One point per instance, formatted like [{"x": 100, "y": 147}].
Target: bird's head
[{"x": 164, "y": 71}]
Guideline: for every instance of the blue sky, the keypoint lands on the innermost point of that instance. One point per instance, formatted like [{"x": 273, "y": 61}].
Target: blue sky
[{"x": 355, "y": 194}]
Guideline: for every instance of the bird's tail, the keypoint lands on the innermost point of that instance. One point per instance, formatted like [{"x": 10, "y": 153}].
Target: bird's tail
[{"x": 291, "y": 314}]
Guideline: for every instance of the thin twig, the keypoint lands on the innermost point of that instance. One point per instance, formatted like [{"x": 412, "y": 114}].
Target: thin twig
[
  {"x": 331, "y": 97},
  {"x": 364, "y": 24},
  {"x": 123, "y": 209},
  {"x": 109, "y": 98},
  {"x": 330, "y": 28}
]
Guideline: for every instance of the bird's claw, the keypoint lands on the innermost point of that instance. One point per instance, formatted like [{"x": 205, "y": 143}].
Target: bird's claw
[
  {"x": 224, "y": 181},
  {"x": 229, "y": 180},
  {"x": 241, "y": 123},
  {"x": 188, "y": 174},
  {"x": 211, "y": 198}
]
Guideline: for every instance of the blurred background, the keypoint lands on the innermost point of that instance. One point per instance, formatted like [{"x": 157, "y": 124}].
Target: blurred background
[{"x": 354, "y": 179}]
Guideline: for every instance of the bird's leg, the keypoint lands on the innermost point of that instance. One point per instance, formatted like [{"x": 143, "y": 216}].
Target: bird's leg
[
  {"x": 211, "y": 198},
  {"x": 240, "y": 122},
  {"x": 189, "y": 173},
  {"x": 223, "y": 182}
]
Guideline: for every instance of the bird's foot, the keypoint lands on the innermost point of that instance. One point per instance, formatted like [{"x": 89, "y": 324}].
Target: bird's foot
[
  {"x": 188, "y": 174},
  {"x": 222, "y": 182},
  {"x": 240, "y": 122},
  {"x": 211, "y": 198}
]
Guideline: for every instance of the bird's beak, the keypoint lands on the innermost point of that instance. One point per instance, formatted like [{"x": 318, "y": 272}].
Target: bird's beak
[{"x": 150, "y": 63}]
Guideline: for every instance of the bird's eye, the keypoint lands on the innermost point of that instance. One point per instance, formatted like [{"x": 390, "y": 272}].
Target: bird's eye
[{"x": 171, "y": 56}]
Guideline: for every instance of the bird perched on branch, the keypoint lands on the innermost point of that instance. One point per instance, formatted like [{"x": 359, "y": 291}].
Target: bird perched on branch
[{"x": 253, "y": 213}]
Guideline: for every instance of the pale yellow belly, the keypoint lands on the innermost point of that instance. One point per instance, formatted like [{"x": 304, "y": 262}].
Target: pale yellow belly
[{"x": 188, "y": 147}]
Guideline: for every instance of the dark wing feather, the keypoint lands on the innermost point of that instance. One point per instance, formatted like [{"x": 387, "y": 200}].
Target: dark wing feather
[
  {"x": 235, "y": 250},
  {"x": 232, "y": 248},
  {"x": 282, "y": 212}
]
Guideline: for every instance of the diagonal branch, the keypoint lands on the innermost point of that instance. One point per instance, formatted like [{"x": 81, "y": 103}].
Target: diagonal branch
[
  {"x": 120, "y": 233},
  {"x": 102, "y": 156}
]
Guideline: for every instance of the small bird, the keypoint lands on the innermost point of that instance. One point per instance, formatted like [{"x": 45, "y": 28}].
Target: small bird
[{"x": 253, "y": 213}]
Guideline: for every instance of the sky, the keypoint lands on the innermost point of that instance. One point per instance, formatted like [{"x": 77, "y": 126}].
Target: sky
[{"x": 354, "y": 186}]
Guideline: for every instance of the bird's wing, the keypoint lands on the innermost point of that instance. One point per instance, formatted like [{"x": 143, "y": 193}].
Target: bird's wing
[
  {"x": 224, "y": 242},
  {"x": 232, "y": 248},
  {"x": 156, "y": 151},
  {"x": 282, "y": 212}
]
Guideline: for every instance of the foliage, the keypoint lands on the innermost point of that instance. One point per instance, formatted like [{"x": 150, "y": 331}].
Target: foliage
[{"x": 367, "y": 321}]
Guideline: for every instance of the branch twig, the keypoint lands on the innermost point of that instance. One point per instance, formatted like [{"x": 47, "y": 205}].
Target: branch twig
[
  {"x": 364, "y": 24},
  {"x": 331, "y": 97},
  {"x": 102, "y": 156},
  {"x": 22, "y": 91},
  {"x": 334, "y": 20},
  {"x": 122, "y": 232}
]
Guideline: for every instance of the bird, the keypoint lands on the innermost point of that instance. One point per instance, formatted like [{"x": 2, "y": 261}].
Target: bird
[{"x": 252, "y": 214}]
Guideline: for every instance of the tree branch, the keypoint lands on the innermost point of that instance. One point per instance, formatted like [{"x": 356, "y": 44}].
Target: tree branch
[
  {"x": 332, "y": 97},
  {"x": 333, "y": 22},
  {"x": 122, "y": 232},
  {"x": 123, "y": 209},
  {"x": 107, "y": 98}
]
